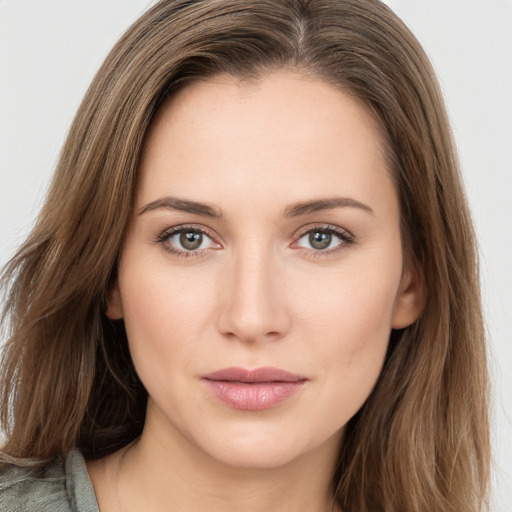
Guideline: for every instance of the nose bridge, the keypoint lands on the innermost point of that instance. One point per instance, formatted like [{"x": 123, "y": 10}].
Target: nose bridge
[{"x": 254, "y": 308}]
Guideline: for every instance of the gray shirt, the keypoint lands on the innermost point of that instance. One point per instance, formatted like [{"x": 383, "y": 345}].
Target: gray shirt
[{"x": 63, "y": 487}]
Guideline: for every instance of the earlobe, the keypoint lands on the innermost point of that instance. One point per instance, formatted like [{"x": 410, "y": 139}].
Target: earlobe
[
  {"x": 114, "y": 305},
  {"x": 410, "y": 299}
]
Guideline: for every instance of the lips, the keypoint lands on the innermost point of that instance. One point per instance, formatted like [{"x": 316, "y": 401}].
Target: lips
[{"x": 253, "y": 390}]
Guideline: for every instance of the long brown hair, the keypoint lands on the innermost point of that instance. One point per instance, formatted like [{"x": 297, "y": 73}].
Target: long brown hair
[{"x": 420, "y": 442}]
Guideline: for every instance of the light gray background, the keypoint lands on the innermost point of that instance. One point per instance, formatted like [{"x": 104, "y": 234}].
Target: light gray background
[{"x": 49, "y": 52}]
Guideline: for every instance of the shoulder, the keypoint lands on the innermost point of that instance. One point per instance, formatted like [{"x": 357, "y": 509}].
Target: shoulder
[
  {"x": 57, "y": 488},
  {"x": 31, "y": 489}
]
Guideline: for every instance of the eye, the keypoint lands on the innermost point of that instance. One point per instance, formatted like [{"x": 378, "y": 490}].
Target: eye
[
  {"x": 186, "y": 241},
  {"x": 324, "y": 239}
]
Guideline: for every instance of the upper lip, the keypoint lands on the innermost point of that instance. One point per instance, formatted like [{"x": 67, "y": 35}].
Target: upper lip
[{"x": 263, "y": 374}]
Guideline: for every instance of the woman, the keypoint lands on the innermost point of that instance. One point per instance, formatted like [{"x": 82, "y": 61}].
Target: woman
[{"x": 253, "y": 285}]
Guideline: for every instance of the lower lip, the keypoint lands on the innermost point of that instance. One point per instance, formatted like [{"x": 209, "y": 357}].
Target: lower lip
[{"x": 253, "y": 396}]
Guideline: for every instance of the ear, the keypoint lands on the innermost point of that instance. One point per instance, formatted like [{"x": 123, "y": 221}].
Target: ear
[
  {"x": 410, "y": 299},
  {"x": 114, "y": 304}
]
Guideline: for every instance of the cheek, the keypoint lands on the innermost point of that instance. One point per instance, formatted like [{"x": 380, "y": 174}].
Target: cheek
[
  {"x": 164, "y": 317},
  {"x": 346, "y": 332},
  {"x": 352, "y": 305}
]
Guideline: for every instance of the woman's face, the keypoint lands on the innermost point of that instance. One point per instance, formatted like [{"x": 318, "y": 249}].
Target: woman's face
[{"x": 262, "y": 272}]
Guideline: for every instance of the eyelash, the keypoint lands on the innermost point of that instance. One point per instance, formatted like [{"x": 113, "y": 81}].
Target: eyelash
[
  {"x": 183, "y": 253},
  {"x": 346, "y": 239}
]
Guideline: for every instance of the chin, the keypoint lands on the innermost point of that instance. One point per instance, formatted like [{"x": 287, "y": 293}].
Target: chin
[
  {"x": 267, "y": 447},
  {"x": 256, "y": 455}
]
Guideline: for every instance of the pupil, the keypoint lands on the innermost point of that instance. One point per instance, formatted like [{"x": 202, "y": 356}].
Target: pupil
[
  {"x": 319, "y": 240},
  {"x": 191, "y": 240}
]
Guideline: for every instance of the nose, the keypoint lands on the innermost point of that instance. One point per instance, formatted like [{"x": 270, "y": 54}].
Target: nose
[{"x": 253, "y": 305}]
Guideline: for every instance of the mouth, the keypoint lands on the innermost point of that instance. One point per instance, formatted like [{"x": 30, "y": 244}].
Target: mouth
[{"x": 253, "y": 390}]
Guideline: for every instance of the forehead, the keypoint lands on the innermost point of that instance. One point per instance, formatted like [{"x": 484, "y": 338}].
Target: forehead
[{"x": 284, "y": 135}]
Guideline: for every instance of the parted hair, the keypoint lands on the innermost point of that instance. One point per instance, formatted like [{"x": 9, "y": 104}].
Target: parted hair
[{"x": 420, "y": 443}]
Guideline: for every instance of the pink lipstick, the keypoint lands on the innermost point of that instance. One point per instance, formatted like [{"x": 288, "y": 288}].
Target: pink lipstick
[{"x": 253, "y": 390}]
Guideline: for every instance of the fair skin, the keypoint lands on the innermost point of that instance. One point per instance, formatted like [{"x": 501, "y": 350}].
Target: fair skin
[{"x": 295, "y": 263}]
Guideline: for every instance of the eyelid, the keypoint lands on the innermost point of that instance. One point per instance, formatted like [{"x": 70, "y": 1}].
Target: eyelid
[
  {"x": 168, "y": 233},
  {"x": 329, "y": 228},
  {"x": 183, "y": 227},
  {"x": 346, "y": 238}
]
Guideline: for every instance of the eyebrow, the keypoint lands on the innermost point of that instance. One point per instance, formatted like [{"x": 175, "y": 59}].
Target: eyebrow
[
  {"x": 173, "y": 203},
  {"x": 293, "y": 210},
  {"x": 318, "y": 205}
]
